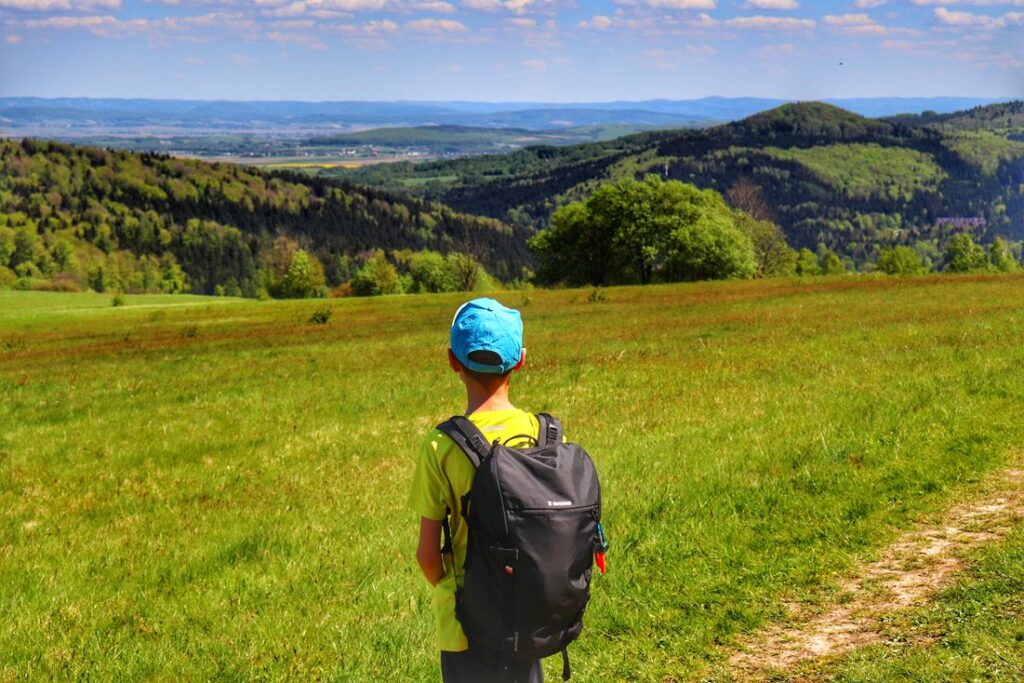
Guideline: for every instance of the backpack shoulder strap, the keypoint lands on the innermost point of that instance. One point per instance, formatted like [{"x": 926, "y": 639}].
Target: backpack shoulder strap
[
  {"x": 550, "y": 430},
  {"x": 467, "y": 437}
]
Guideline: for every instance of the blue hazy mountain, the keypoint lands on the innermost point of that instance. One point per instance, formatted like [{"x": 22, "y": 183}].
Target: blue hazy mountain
[{"x": 87, "y": 113}]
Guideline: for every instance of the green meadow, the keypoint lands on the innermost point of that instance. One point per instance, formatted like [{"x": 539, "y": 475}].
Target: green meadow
[{"x": 214, "y": 489}]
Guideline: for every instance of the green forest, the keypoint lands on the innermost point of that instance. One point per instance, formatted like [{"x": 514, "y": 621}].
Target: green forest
[
  {"x": 76, "y": 218},
  {"x": 804, "y": 189},
  {"x": 829, "y": 178}
]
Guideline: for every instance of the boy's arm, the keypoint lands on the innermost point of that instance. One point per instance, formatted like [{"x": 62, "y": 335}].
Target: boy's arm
[
  {"x": 428, "y": 554},
  {"x": 429, "y": 497}
]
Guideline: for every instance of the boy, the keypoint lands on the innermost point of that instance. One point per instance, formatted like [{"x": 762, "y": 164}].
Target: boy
[{"x": 486, "y": 347}]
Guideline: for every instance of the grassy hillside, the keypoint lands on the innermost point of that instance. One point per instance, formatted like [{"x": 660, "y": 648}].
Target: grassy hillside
[
  {"x": 89, "y": 212},
  {"x": 826, "y": 175},
  {"x": 216, "y": 490}
]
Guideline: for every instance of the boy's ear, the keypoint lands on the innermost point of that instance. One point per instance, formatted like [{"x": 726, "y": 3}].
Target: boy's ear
[
  {"x": 522, "y": 360},
  {"x": 453, "y": 362}
]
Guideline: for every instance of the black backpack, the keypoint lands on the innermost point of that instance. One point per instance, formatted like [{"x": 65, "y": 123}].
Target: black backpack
[{"x": 534, "y": 520}]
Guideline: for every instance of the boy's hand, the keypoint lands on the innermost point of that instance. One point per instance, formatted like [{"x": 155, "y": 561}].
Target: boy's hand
[{"x": 428, "y": 554}]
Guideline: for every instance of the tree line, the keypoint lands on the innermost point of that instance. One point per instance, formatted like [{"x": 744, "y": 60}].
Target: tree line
[
  {"x": 79, "y": 217},
  {"x": 812, "y": 164}
]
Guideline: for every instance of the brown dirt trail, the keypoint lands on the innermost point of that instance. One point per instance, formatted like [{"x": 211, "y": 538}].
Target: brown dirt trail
[{"x": 907, "y": 573}]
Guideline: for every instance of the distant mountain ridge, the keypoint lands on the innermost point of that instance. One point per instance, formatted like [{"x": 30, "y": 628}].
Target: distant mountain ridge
[
  {"x": 85, "y": 113},
  {"x": 828, "y": 177}
]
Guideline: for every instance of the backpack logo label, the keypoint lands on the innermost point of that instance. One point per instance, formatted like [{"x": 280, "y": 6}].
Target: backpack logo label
[{"x": 559, "y": 503}]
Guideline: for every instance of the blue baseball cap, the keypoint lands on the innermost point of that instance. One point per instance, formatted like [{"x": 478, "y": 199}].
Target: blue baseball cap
[{"x": 486, "y": 325}]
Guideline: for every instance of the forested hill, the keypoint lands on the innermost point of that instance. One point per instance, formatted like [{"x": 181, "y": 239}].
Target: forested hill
[
  {"x": 1007, "y": 117},
  {"x": 87, "y": 211},
  {"x": 827, "y": 176}
]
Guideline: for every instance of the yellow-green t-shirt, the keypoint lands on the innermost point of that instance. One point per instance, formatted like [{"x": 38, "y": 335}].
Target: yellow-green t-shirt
[{"x": 443, "y": 476}]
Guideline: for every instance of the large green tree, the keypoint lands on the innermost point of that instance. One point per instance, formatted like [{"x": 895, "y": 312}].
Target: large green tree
[{"x": 651, "y": 229}]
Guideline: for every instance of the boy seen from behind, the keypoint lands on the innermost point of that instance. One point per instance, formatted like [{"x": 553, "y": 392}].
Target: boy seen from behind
[{"x": 486, "y": 347}]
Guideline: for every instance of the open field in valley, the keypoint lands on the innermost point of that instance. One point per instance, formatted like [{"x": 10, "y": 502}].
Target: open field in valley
[{"x": 214, "y": 489}]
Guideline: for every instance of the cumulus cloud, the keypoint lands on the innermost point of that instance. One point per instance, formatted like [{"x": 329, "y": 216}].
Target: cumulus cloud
[
  {"x": 862, "y": 25},
  {"x": 60, "y": 5},
  {"x": 772, "y": 4},
  {"x": 869, "y": 4},
  {"x": 762, "y": 23},
  {"x": 436, "y": 26},
  {"x": 367, "y": 30},
  {"x": 303, "y": 39},
  {"x": 671, "y": 4},
  {"x": 976, "y": 3},
  {"x": 108, "y": 26},
  {"x": 516, "y": 6},
  {"x": 598, "y": 22},
  {"x": 968, "y": 19}
]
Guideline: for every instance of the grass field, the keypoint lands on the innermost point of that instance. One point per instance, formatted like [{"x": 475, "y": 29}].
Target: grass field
[{"x": 209, "y": 489}]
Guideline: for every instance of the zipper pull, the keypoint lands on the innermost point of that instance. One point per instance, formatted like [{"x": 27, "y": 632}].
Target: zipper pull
[{"x": 601, "y": 549}]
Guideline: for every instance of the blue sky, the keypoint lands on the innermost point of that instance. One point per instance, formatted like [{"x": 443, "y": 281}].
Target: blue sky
[{"x": 510, "y": 50}]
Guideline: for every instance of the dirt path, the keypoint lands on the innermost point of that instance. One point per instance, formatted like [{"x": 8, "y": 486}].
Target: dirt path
[{"x": 908, "y": 572}]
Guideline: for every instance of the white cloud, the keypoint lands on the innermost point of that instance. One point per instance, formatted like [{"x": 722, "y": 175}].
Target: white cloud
[
  {"x": 370, "y": 29},
  {"x": 303, "y": 39},
  {"x": 436, "y": 26},
  {"x": 241, "y": 59},
  {"x": 598, "y": 22},
  {"x": 862, "y": 25},
  {"x": 772, "y": 4},
  {"x": 976, "y": 3},
  {"x": 671, "y": 4},
  {"x": 967, "y": 19},
  {"x": 12, "y": 39},
  {"x": 762, "y": 23},
  {"x": 535, "y": 65},
  {"x": 55, "y": 5},
  {"x": 107, "y": 26},
  {"x": 869, "y": 4},
  {"x": 516, "y": 6}
]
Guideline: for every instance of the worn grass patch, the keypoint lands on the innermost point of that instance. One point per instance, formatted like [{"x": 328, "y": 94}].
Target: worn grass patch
[{"x": 217, "y": 490}]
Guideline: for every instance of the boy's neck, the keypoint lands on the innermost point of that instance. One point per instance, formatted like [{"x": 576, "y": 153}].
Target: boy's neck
[{"x": 479, "y": 400}]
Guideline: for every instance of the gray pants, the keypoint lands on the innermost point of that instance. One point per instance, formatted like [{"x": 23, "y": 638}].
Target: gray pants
[{"x": 483, "y": 666}]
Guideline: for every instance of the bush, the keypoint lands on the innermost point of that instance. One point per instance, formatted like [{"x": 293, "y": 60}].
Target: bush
[
  {"x": 901, "y": 260},
  {"x": 62, "y": 282},
  {"x": 377, "y": 276},
  {"x": 7, "y": 277},
  {"x": 964, "y": 256},
  {"x": 807, "y": 263},
  {"x": 342, "y": 290},
  {"x": 117, "y": 300},
  {"x": 321, "y": 316}
]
